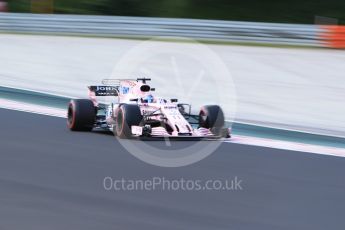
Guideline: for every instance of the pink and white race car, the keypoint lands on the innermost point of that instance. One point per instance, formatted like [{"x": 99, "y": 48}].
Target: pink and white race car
[{"x": 138, "y": 113}]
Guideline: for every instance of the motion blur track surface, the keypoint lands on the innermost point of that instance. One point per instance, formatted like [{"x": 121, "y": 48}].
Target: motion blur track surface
[{"x": 51, "y": 178}]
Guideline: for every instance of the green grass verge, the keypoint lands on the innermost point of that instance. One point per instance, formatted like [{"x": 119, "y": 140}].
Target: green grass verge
[{"x": 281, "y": 11}]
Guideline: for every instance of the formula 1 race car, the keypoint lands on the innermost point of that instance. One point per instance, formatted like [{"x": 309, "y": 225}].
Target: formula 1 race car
[{"x": 137, "y": 113}]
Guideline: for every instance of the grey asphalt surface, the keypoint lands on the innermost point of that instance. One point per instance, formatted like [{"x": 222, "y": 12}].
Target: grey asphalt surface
[{"x": 51, "y": 178}]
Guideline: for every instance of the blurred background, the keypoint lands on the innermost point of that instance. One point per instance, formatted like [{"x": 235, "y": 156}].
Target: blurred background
[{"x": 285, "y": 57}]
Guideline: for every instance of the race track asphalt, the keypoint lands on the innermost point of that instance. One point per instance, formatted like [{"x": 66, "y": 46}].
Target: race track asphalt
[{"x": 51, "y": 178}]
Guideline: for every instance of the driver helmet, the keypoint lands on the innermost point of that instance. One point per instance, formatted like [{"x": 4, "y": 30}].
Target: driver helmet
[{"x": 149, "y": 98}]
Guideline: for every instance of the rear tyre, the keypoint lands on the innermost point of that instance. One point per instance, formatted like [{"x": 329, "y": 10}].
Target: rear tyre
[
  {"x": 81, "y": 115},
  {"x": 126, "y": 116},
  {"x": 212, "y": 117}
]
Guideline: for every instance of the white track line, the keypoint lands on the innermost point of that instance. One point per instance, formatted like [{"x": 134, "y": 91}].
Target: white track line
[
  {"x": 287, "y": 145},
  {"x": 271, "y": 126},
  {"x": 238, "y": 139}
]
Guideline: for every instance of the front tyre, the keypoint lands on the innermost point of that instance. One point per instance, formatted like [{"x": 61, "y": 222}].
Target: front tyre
[
  {"x": 81, "y": 115},
  {"x": 126, "y": 116},
  {"x": 212, "y": 117}
]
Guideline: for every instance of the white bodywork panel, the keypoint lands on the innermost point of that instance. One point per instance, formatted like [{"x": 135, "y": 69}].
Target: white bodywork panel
[{"x": 158, "y": 110}]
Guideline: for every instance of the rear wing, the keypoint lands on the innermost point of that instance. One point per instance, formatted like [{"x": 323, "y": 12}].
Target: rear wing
[
  {"x": 104, "y": 90},
  {"x": 119, "y": 80},
  {"x": 112, "y": 87}
]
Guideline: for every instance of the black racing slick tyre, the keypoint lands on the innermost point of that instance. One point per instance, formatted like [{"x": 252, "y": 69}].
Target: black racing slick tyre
[
  {"x": 212, "y": 117},
  {"x": 126, "y": 116},
  {"x": 81, "y": 115}
]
